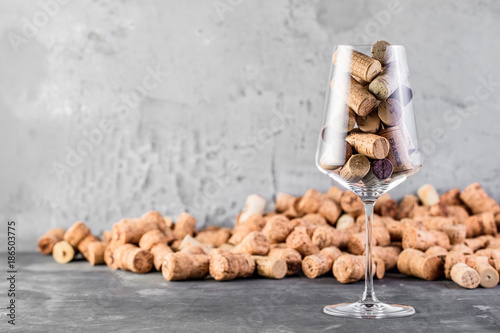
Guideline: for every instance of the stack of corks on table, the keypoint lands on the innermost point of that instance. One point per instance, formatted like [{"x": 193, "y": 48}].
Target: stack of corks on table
[{"x": 424, "y": 236}]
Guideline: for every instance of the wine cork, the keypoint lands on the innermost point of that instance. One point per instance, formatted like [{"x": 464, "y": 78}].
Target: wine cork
[
  {"x": 416, "y": 263},
  {"x": 255, "y": 204},
  {"x": 283, "y": 202},
  {"x": 355, "y": 169},
  {"x": 451, "y": 197},
  {"x": 452, "y": 258},
  {"x": 225, "y": 266},
  {"x": 339, "y": 124},
  {"x": 488, "y": 275},
  {"x": 390, "y": 112},
  {"x": 255, "y": 243},
  {"x": 403, "y": 95},
  {"x": 385, "y": 205},
  {"x": 434, "y": 222},
  {"x": 456, "y": 233},
  {"x": 476, "y": 198},
  {"x": 459, "y": 213},
  {"x": 330, "y": 210},
  {"x": 357, "y": 243},
  {"x": 95, "y": 252},
  {"x": 277, "y": 229},
  {"x": 397, "y": 152},
  {"x": 63, "y": 252},
  {"x": 194, "y": 249},
  {"x": 182, "y": 266},
  {"x": 47, "y": 241},
  {"x": 300, "y": 241},
  {"x": 462, "y": 248},
  {"x": 465, "y": 276},
  {"x": 475, "y": 243},
  {"x": 314, "y": 219},
  {"x": 76, "y": 233},
  {"x": 406, "y": 206},
  {"x": 428, "y": 195},
  {"x": 110, "y": 258},
  {"x": 349, "y": 268},
  {"x": 153, "y": 237},
  {"x": 369, "y": 123},
  {"x": 387, "y": 82},
  {"x": 159, "y": 251},
  {"x": 271, "y": 268},
  {"x": 292, "y": 258},
  {"x": 422, "y": 240},
  {"x": 106, "y": 236},
  {"x": 389, "y": 255},
  {"x": 410, "y": 145},
  {"x": 481, "y": 224},
  {"x": 380, "y": 171},
  {"x": 361, "y": 65},
  {"x": 319, "y": 264},
  {"x": 336, "y": 155},
  {"x": 381, "y": 52},
  {"x": 131, "y": 230},
  {"x": 352, "y": 204},
  {"x": 334, "y": 193},
  {"x": 371, "y": 145},
  {"x": 359, "y": 99},
  {"x": 137, "y": 260},
  {"x": 325, "y": 236}
]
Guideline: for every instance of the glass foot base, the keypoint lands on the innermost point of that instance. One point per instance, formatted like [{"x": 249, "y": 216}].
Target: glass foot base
[{"x": 368, "y": 310}]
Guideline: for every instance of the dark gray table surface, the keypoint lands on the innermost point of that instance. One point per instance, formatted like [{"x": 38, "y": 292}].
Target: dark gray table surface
[{"x": 77, "y": 297}]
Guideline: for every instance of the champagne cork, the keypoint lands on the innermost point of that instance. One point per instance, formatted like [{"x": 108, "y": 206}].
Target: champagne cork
[
  {"x": 292, "y": 258},
  {"x": 155, "y": 218},
  {"x": 369, "y": 123},
  {"x": 255, "y": 204},
  {"x": 387, "y": 82},
  {"x": 403, "y": 95},
  {"x": 153, "y": 237},
  {"x": 330, "y": 210},
  {"x": 334, "y": 193},
  {"x": 390, "y": 112},
  {"x": 300, "y": 241},
  {"x": 283, "y": 202},
  {"x": 106, "y": 236},
  {"x": 95, "y": 252},
  {"x": 361, "y": 65},
  {"x": 131, "y": 230},
  {"x": 159, "y": 251},
  {"x": 110, "y": 257},
  {"x": 422, "y": 240},
  {"x": 406, "y": 206},
  {"x": 63, "y": 252},
  {"x": 83, "y": 245},
  {"x": 488, "y": 275},
  {"x": 345, "y": 222},
  {"x": 255, "y": 243},
  {"x": 459, "y": 213},
  {"x": 349, "y": 268},
  {"x": 380, "y": 171},
  {"x": 476, "y": 198},
  {"x": 225, "y": 266},
  {"x": 47, "y": 241},
  {"x": 214, "y": 237},
  {"x": 456, "y": 233},
  {"x": 481, "y": 224},
  {"x": 381, "y": 52},
  {"x": 451, "y": 197},
  {"x": 475, "y": 243},
  {"x": 184, "y": 226},
  {"x": 371, "y": 145},
  {"x": 465, "y": 276},
  {"x": 137, "y": 260},
  {"x": 310, "y": 202},
  {"x": 325, "y": 236},
  {"x": 437, "y": 251},
  {"x": 428, "y": 195},
  {"x": 359, "y": 99},
  {"x": 452, "y": 258},
  {"x": 76, "y": 233},
  {"x": 398, "y": 154},
  {"x": 355, "y": 169},
  {"x": 336, "y": 155},
  {"x": 388, "y": 254},
  {"x": 168, "y": 222},
  {"x": 462, "y": 248},
  {"x": 182, "y": 266},
  {"x": 435, "y": 222},
  {"x": 270, "y": 267},
  {"x": 385, "y": 205},
  {"x": 357, "y": 243},
  {"x": 277, "y": 229},
  {"x": 352, "y": 204},
  {"x": 314, "y": 219},
  {"x": 319, "y": 264},
  {"x": 415, "y": 263}
]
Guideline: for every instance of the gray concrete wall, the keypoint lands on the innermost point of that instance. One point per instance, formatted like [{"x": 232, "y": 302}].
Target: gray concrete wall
[{"x": 193, "y": 105}]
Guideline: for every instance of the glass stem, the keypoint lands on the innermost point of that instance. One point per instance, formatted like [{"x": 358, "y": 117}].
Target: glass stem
[{"x": 369, "y": 294}]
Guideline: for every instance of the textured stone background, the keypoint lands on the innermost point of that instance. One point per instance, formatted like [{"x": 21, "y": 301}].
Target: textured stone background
[{"x": 238, "y": 107}]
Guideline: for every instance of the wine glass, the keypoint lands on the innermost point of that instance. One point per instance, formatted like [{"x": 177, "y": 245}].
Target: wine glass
[{"x": 368, "y": 143}]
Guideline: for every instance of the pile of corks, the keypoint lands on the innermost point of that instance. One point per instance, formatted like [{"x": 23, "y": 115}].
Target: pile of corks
[{"x": 423, "y": 236}]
